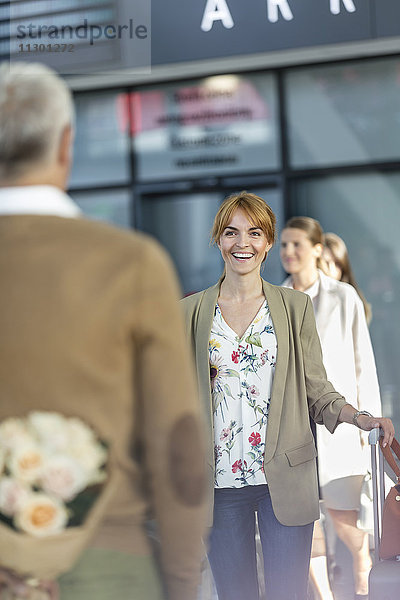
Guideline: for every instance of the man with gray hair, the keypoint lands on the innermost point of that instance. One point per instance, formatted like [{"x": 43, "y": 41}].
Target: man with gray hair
[{"x": 90, "y": 327}]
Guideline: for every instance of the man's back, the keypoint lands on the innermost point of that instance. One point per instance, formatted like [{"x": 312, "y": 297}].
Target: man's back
[{"x": 89, "y": 327}]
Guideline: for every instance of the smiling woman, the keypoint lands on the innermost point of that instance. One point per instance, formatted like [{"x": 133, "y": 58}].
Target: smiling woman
[{"x": 261, "y": 377}]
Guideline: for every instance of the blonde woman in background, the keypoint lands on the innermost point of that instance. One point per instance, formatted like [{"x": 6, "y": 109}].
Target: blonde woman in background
[
  {"x": 337, "y": 265},
  {"x": 349, "y": 361}
]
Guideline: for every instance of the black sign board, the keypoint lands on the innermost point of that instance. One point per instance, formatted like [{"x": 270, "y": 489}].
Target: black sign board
[
  {"x": 205, "y": 29},
  {"x": 387, "y": 15}
]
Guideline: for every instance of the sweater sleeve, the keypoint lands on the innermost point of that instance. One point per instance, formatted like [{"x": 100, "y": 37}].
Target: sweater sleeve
[
  {"x": 171, "y": 427},
  {"x": 325, "y": 403}
]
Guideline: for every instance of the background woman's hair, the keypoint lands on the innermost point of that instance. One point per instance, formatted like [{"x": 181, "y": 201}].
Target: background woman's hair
[
  {"x": 340, "y": 255},
  {"x": 256, "y": 209},
  {"x": 313, "y": 230}
]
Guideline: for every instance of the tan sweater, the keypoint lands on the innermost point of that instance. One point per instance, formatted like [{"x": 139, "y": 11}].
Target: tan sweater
[{"x": 90, "y": 326}]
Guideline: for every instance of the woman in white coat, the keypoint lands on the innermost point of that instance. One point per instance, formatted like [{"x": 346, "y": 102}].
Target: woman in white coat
[
  {"x": 343, "y": 457},
  {"x": 337, "y": 262}
]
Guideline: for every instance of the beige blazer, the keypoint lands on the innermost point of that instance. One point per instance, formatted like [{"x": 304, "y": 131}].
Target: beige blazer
[
  {"x": 300, "y": 389},
  {"x": 90, "y": 326},
  {"x": 350, "y": 365}
]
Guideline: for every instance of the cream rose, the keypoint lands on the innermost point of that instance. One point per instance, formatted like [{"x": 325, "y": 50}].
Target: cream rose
[
  {"x": 79, "y": 432},
  {"x": 41, "y": 516},
  {"x": 26, "y": 463},
  {"x": 91, "y": 456},
  {"x": 14, "y": 433},
  {"x": 13, "y": 494},
  {"x": 85, "y": 449},
  {"x": 63, "y": 477},
  {"x": 50, "y": 429}
]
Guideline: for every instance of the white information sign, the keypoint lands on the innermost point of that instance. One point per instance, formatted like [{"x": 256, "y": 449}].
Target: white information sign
[{"x": 221, "y": 124}]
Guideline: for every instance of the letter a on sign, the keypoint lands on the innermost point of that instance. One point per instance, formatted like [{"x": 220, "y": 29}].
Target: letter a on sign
[
  {"x": 216, "y": 10},
  {"x": 283, "y": 6},
  {"x": 348, "y": 4}
]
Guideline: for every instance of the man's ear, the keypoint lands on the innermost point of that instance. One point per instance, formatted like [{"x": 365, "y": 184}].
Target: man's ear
[{"x": 65, "y": 148}]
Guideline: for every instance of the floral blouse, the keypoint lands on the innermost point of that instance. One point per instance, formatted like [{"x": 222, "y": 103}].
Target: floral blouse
[{"x": 241, "y": 371}]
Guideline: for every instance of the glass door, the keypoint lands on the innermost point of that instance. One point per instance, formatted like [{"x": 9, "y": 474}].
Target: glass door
[{"x": 182, "y": 224}]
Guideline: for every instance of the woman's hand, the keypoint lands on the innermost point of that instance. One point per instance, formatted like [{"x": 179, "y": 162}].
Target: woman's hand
[{"x": 368, "y": 423}]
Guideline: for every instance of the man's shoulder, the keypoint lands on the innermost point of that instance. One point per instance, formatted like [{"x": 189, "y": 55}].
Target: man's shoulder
[
  {"x": 102, "y": 230},
  {"x": 110, "y": 238},
  {"x": 83, "y": 244}
]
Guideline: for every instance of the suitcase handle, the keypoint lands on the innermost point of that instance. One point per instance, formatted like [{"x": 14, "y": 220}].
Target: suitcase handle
[
  {"x": 378, "y": 485},
  {"x": 374, "y": 435}
]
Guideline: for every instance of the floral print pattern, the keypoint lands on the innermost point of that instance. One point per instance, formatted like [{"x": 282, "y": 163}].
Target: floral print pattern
[{"x": 241, "y": 375}]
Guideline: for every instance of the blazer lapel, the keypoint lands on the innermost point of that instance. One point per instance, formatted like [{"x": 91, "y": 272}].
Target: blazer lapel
[
  {"x": 280, "y": 322},
  {"x": 203, "y": 329}
]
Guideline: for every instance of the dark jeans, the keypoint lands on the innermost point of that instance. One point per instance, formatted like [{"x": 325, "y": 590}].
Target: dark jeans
[{"x": 232, "y": 552}]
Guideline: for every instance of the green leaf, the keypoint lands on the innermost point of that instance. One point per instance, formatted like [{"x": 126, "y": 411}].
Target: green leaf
[
  {"x": 81, "y": 504},
  {"x": 254, "y": 339},
  {"x": 218, "y": 397},
  {"x": 232, "y": 373},
  {"x": 227, "y": 390}
]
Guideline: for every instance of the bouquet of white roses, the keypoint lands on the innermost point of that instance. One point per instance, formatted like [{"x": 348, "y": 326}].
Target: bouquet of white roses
[{"x": 54, "y": 488}]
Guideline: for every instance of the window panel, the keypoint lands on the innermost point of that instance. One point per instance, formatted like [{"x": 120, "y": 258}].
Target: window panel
[
  {"x": 344, "y": 113},
  {"x": 182, "y": 224},
  {"x": 101, "y": 147},
  {"x": 112, "y": 206}
]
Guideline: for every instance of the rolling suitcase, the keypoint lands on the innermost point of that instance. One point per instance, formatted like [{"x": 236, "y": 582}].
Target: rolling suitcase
[{"x": 384, "y": 577}]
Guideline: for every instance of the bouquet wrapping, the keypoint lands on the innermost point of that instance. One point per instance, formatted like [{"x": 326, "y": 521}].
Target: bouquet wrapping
[{"x": 56, "y": 483}]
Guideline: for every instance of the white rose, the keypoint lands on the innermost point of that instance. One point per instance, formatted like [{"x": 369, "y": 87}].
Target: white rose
[
  {"x": 13, "y": 493},
  {"x": 91, "y": 456},
  {"x": 41, "y": 516},
  {"x": 26, "y": 463},
  {"x": 13, "y": 433},
  {"x": 2, "y": 459},
  {"x": 79, "y": 432},
  {"x": 63, "y": 477},
  {"x": 51, "y": 430}
]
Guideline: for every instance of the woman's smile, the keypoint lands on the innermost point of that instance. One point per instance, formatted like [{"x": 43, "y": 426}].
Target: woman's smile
[{"x": 242, "y": 256}]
